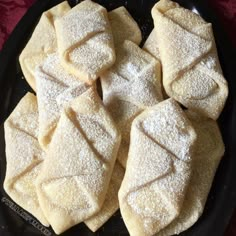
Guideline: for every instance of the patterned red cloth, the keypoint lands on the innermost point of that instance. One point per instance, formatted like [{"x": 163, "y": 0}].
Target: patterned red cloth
[{"x": 11, "y": 12}]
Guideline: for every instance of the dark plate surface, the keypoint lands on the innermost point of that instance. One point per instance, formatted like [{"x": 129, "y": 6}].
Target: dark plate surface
[{"x": 222, "y": 199}]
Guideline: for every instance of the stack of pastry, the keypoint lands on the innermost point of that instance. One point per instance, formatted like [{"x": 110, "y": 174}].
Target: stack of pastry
[{"x": 73, "y": 157}]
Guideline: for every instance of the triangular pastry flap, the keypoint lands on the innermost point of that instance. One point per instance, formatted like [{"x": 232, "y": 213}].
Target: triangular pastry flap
[
  {"x": 195, "y": 84},
  {"x": 68, "y": 189},
  {"x": 29, "y": 154},
  {"x": 134, "y": 71},
  {"x": 190, "y": 21},
  {"x": 208, "y": 133},
  {"x": 157, "y": 166},
  {"x": 191, "y": 47},
  {"x": 124, "y": 27},
  {"x": 25, "y": 113},
  {"x": 167, "y": 124}
]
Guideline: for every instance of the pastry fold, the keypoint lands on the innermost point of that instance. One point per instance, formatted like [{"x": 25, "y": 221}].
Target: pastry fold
[
  {"x": 124, "y": 27},
  {"x": 36, "y": 50},
  {"x": 24, "y": 156},
  {"x": 55, "y": 89},
  {"x": 208, "y": 153},
  {"x": 158, "y": 168},
  {"x": 74, "y": 179},
  {"x": 191, "y": 71},
  {"x": 111, "y": 203},
  {"x": 151, "y": 45},
  {"x": 85, "y": 42},
  {"x": 129, "y": 87}
]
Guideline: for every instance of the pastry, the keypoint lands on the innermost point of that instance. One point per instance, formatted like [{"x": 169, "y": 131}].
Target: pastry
[
  {"x": 129, "y": 87},
  {"x": 191, "y": 71},
  {"x": 124, "y": 27},
  {"x": 151, "y": 45},
  {"x": 74, "y": 179},
  {"x": 85, "y": 42},
  {"x": 208, "y": 153},
  {"x": 55, "y": 90},
  {"x": 158, "y": 168},
  {"x": 36, "y": 50},
  {"x": 111, "y": 203},
  {"x": 24, "y": 156}
]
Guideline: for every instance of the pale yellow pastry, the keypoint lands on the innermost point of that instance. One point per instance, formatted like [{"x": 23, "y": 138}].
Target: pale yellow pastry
[
  {"x": 42, "y": 42},
  {"x": 24, "y": 156},
  {"x": 208, "y": 153},
  {"x": 55, "y": 89},
  {"x": 124, "y": 27},
  {"x": 111, "y": 203},
  {"x": 73, "y": 182},
  {"x": 85, "y": 42},
  {"x": 151, "y": 45},
  {"x": 129, "y": 87},
  {"x": 158, "y": 168},
  {"x": 191, "y": 71}
]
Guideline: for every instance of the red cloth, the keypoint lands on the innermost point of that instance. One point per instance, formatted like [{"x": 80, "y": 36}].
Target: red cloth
[{"x": 11, "y": 12}]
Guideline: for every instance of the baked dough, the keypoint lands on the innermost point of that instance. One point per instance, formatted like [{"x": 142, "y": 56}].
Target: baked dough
[
  {"x": 191, "y": 71},
  {"x": 55, "y": 90},
  {"x": 158, "y": 168},
  {"x": 129, "y": 87},
  {"x": 36, "y": 50},
  {"x": 111, "y": 203},
  {"x": 151, "y": 45},
  {"x": 85, "y": 42},
  {"x": 24, "y": 156},
  {"x": 124, "y": 27},
  {"x": 74, "y": 179},
  {"x": 208, "y": 153}
]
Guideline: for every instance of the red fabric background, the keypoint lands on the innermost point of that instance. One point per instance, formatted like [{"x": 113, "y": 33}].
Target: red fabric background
[{"x": 11, "y": 12}]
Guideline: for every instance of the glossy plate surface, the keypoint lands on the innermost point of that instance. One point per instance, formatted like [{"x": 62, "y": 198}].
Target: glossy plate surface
[{"x": 222, "y": 199}]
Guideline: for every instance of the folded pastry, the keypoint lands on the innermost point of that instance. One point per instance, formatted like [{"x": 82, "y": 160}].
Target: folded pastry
[
  {"x": 24, "y": 156},
  {"x": 208, "y": 152},
  {"x": 85, "y": 42},
  {"x": 55, "y": 90},
  {"x": 124, "y": 27},
  {"x": 191, "y": 71},
  {"x": 158, "y": 168},
  {"x": 111, "y": 203},
  {"x": 129, "y": 87},
  {"x": 151, "y": 45},
  {"x": 36, "y": 50},
  {"x": 74, "y": 179}
]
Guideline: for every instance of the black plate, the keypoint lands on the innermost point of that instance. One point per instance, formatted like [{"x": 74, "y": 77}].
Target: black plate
[{"x": 14, "y": 221}]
